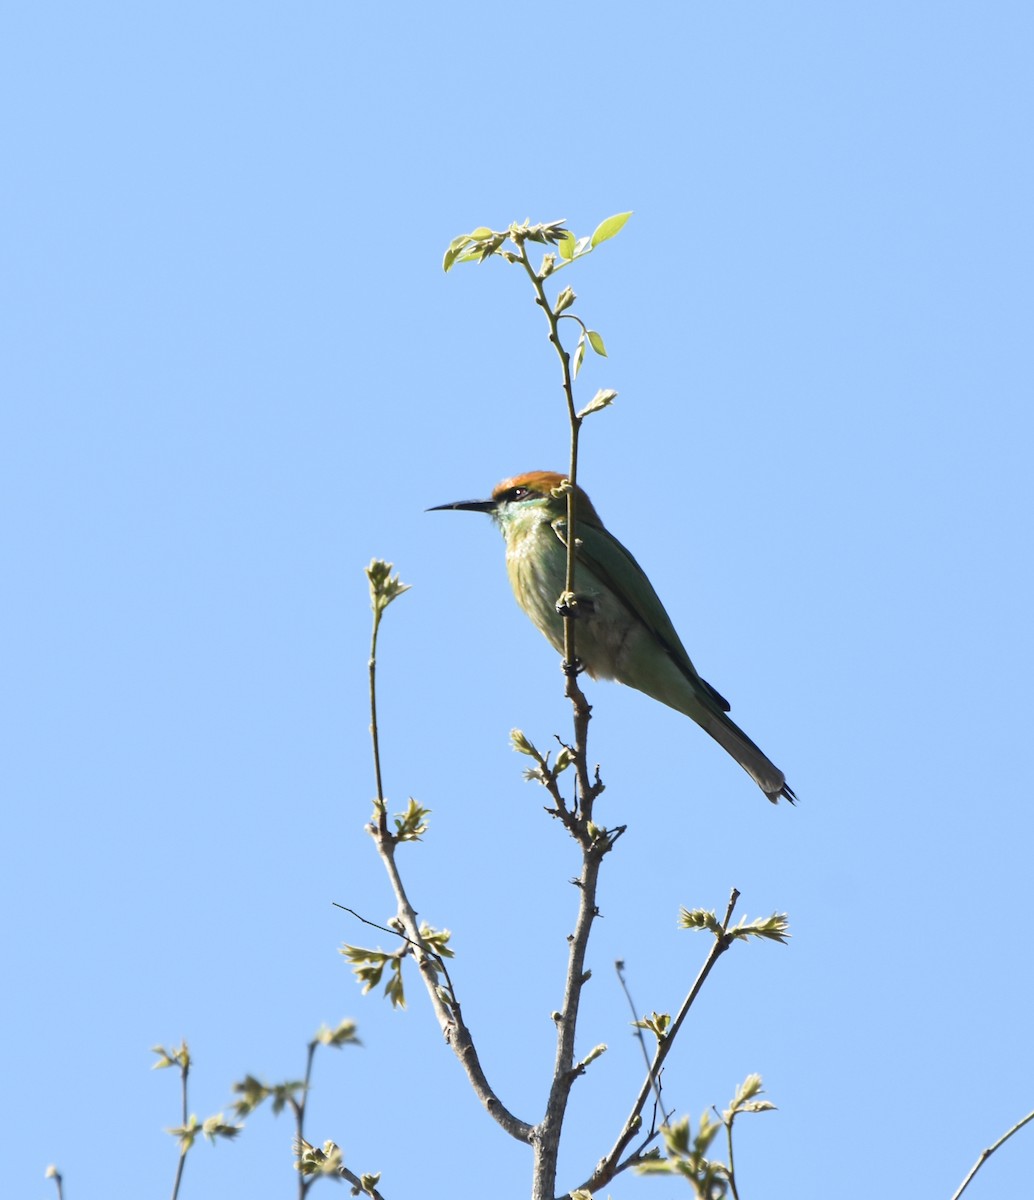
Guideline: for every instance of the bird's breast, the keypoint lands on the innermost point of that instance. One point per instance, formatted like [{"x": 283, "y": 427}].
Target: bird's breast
[{"x": 537, "y": 567}]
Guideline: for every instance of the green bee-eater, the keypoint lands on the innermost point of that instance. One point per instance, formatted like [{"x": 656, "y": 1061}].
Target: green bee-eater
[{"x": 623, "y": 632}]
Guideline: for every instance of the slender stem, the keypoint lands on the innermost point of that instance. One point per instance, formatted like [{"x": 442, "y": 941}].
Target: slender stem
[
  {"x": 184, "y": 1071},
  {"x": 382, "y": 807},
  {"x": 572, "y": 475},
  {"x": 732, "y": 1165},
  {"x": 986, "y": 1154},
  {"x": 619, "y": 967},
  {"x": 432, "y": 968},
  {"x": 304, "y": 1183},
  {"x": 356, "y": 1182}
]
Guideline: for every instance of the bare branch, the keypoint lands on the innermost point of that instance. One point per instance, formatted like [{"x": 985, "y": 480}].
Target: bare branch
[{"x": 986, "y": 1154}]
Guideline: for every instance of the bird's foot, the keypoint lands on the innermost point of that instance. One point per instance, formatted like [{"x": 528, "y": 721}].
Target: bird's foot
[{"x": 572, "y": 605}]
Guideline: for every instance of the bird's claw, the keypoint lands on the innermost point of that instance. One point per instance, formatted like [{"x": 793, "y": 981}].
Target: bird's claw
[{"x": 572, "y": 605}]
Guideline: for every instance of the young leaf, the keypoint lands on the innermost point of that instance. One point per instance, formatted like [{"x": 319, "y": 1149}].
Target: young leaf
[
  {"x": 564, "y": 300},
  {"x": 566, "y": 245},
  {"x": 608, "y": 228},
  {"x": 602, "y": 398},
  {"x": 520, "y": 743},
  {"x": 699, "y": 918},
  {"x": 596, "y": 342},
  {"x": 775, "y": 928},
  {"x": 578, "y": 356}
]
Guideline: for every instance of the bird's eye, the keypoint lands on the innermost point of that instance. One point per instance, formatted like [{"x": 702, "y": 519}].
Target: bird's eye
[{"x": 518, "y": 493}]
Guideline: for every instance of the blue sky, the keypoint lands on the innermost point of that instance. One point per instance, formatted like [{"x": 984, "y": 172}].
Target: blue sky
[{"x": 233, "y": 372}]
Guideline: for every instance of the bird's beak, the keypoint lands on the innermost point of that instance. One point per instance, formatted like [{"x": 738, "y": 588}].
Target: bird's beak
[{"x": 485, "y": 506}]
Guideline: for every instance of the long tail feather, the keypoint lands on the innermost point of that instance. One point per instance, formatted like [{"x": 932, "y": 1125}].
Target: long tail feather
[{"x": 758, "y": 766}]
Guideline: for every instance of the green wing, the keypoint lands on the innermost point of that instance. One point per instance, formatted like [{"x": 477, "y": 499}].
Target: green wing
[{"x": 605, "y": 557}]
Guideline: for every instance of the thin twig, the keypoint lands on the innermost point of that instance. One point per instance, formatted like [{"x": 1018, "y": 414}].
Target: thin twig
[
  {"x": 382, "y": 805},
  {"x": 356, "y": 1182},
  {"x": 986, "y": 1154},
  {"x": 299, "y": 1117},
  {"x": 619, "y": 967},
  {"x": 184, "y": 1070},
  {"x": 572, "y": 689},
  {"x": 431, "y": 966},
  {"x": 732, "y": 1165}
]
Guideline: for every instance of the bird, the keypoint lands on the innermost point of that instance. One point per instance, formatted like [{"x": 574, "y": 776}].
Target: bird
[{"x": 623, "y": 631}]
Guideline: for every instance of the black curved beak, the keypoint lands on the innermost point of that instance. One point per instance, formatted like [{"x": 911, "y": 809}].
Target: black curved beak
[{"x": 485, "y": 506}]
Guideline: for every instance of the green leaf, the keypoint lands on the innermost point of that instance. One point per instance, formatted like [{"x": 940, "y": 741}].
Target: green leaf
[
  {"x": 481, "y": 233},
  {"x": 596, "y": 342},
  {"x": 608, "y": 228},
  {"x": 566, "y": 245}
]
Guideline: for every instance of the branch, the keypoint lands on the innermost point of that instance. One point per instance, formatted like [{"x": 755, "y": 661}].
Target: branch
[
  {"x": 444, "y": 1001},
  {"x": 384, "y": 588},
  {"x": 986, "y": 1154}
]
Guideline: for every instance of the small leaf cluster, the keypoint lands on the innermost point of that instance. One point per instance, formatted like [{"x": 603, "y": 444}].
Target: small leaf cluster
[
  {"x": 412, "y": 824},
  {"x": 369, "y": 965},
  {"x": 542, "y": 772},
  {"x": 657, "y": 1023},
  {"x": 330, "y": 1160},
  {"x": 481, "y": 243},
  {"x": 384, "y": 587},
  {"x": 314, "y": 1160},
  {"x": 744, "y": 1099},
  {"x": 180, "y": 1057},
  {"x": 775, "y": 928},
  {"x": 253, "y": 1092},
  {"x": 436, "y": 940},
  {"x": 343, "y": 1035},
  {"x": 687, "y": 1156},
  {"x": 211, "y": 1127}
]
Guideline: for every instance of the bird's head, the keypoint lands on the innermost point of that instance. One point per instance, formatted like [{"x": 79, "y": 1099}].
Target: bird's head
[{"x": 541, "y": 495}]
